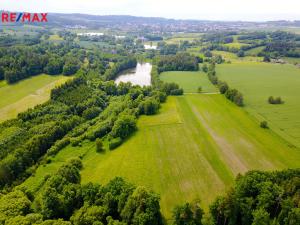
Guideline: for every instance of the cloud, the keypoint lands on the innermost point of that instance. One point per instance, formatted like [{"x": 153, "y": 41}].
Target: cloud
[{"x": 187, "y": 9}]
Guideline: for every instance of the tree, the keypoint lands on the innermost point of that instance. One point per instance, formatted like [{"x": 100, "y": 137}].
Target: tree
[
  {"x": 267, "y": 59},
  {"x": 71, "y": 66},
  {"x": 1, "y": 73},
  {"x": 89, "y": 215},
  {"x": 142, "y": 207},
  {"x": 208, "y": 54},
  {"x": 99, "y": 145},
  {"x": 261, "y": 217},
  {"x": 149, "y": 107},
  {"x": 54, "y": 66},
  {"x": 204, "y": 68},
  {"x": 14, "y": 204},
  {"x": 188, "y": 214},
  {"x": 91, "y": 113},
  {"x": 241, "y": 53},
  {"x": 223, "y": 87},
  {"x": 124, "y": 126},
  {"x": 199, "y": 89}
]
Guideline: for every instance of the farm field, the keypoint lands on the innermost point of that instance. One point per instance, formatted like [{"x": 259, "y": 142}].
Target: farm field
[
  {"x": 26, "y": 94},
  {"x": 258, "y": 81},
  {"x": 193, "y": 148},
  {"x": 189, "y": 81}
]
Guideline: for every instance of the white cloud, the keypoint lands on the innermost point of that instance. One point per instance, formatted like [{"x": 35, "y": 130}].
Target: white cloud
[{"x": 187, "y": 9}]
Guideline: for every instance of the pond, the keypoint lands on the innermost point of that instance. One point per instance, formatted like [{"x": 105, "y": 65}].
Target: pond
[{"x": 141, "y": 75}]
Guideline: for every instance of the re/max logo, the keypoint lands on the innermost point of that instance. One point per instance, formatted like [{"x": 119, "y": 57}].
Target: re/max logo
[{"x": 23, "y": 17}]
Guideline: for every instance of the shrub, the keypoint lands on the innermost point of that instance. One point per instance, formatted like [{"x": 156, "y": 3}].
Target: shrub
[
  {"x": 178, "y": 91},
  {"x": 199, "y": 89},
  {"x": 75, "y": 141},
  {"x": 275, "y": 101},
  {"x": 114, "y": 143},
  {"x": 264, "y": 124}
]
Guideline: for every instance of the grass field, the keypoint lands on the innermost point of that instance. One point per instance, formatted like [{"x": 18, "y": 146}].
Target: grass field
[
  {"x": 289, "y": 60},
  {"x": 55, "y": 37},
  {"x": 189, "y": 81},
  {"x": 229, "y": 56},
  {"x": 254, "y": 51},
  {"x": 258, "y": 81},
  {"x": 235, "y": 45},
  {"x": 26, "y": 94},
  {"x": 177, "y": 40},
  {"x": 193, "y": 148}
]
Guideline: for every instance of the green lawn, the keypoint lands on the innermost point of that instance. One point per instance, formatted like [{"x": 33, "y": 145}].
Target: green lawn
[
  {"x": 26, "y": 94},
  {"x": 258, "y": 81},
  {"x": 189, "y": 81},
  {"x": 193, "y": 148}
]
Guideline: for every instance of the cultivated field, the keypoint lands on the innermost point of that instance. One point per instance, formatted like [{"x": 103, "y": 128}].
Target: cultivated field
[
  {"x": 258, "y": 81},
  {"x": 189, "y": 81},
  {"x": 193, "y": 148},
  {"x": 26, "y": 94}
]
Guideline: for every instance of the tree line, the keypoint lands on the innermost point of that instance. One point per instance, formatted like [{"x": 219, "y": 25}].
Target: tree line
[
  {"x": 232, "y": 94},
  {"x": 62, "y": 200},
  {"x": 257, "y": 198}
]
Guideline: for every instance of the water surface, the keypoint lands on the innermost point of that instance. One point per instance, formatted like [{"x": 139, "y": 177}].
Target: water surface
[{"x": 141, "y": 75}]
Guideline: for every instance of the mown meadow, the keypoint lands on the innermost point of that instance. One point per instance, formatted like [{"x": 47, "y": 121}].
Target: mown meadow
[
  {"x": 193, "y": 148},
  {"x": 258, "y": 81},
  {"x": 26, "y": 94}
]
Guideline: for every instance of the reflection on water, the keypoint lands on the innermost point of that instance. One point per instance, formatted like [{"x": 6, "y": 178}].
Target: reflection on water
[
  {"x": 141, "y": 75},
  {"x": 150, "y": 47}
]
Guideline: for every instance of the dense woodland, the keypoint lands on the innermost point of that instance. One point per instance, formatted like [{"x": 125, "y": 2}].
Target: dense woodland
[{"x": 17, "y": 63}]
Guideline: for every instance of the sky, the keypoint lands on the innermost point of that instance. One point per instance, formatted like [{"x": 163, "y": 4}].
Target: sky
[{"x": 229, "y": 10}]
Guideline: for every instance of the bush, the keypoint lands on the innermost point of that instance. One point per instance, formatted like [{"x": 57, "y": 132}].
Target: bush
[
  {"x": 275, "y": 101},
  {"x": 178, "y": 91},
  {"x": 114, "y": 143},
  {"x": 264, "y": 124},
  {"x": 199, "y": 89},
  {"x": 75, "y": 141}
]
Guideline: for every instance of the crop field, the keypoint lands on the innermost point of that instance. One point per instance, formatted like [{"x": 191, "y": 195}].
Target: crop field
[
  {"x": 189, "y": 81},
  {"x": 258, "y": 81},
  {"x": 193, "y": 148},
  {"x": 26, "y": 94}
]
